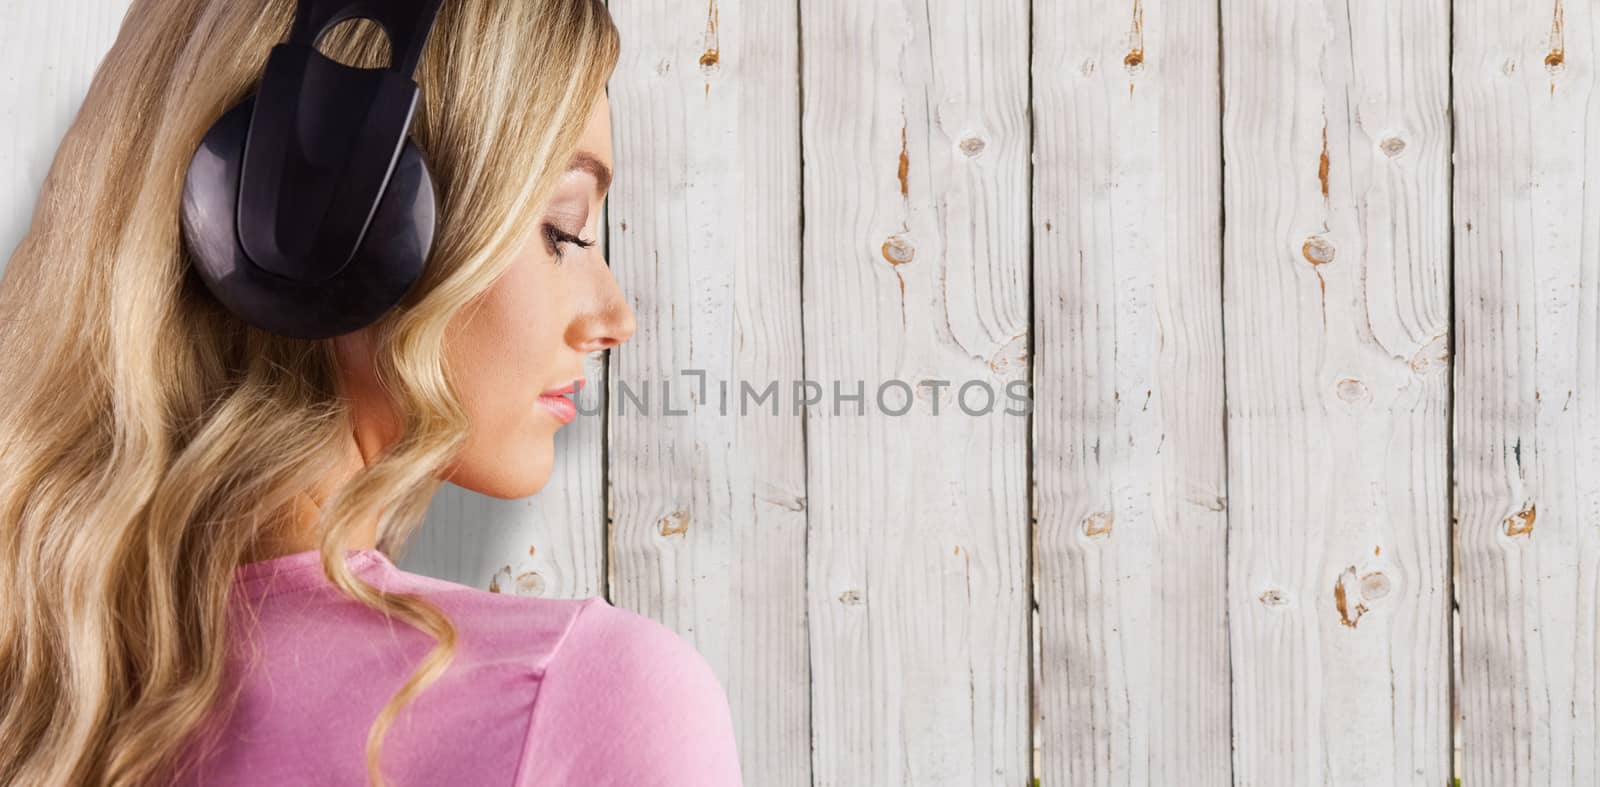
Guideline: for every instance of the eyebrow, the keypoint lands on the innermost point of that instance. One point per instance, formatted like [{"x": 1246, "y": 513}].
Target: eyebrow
[{"x": 594, "y": 166}]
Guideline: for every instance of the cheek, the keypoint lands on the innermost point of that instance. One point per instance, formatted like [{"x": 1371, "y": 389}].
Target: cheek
[
  {"x": 509, "y": 349},
  {"x": 503, "y": 352}
]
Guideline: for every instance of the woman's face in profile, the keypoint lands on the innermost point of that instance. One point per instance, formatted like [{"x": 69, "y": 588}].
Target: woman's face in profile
[
  {"x": 530, "y": 333},
  {"x": 528, "y": 337}
]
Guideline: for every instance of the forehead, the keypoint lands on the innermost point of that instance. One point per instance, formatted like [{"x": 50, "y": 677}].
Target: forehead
[{"x": 596, "y": 137}]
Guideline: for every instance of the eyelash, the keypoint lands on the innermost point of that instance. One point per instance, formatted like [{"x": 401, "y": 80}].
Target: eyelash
[{"x": 556, "y": 237}]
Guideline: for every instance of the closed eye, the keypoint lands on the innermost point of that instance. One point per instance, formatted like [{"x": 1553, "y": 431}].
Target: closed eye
[{"x": 556, "y": 236}]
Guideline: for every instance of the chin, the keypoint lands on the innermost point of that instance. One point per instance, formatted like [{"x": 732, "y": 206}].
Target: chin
[{"x": 514, "y": 473}]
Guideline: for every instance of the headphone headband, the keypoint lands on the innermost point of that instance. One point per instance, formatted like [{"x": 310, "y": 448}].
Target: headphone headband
[
  {"x": 324, "y": 138},
  {"x": 307, "y": 209},
  {"x": 407, "y": 23}
]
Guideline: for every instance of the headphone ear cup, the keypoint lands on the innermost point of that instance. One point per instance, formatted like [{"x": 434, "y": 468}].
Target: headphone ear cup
[{"x": 387, "y": 263}]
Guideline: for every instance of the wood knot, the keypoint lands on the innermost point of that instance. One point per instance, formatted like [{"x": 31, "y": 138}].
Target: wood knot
[
  {"x": 898, "y": 251},
  {"x": 494, "y": 581},
  {"x": 1433, "y": 356},
  {"x": 1345, "y": 586},
  {"x": 1098, "y": 524},
  {"x": 1521, "y": 523},
  {"x": 526, "y": 583},
  {"x": 1374, "y": 585},
  {"x": 1317, "y": 250},
  {"x": 1353, "y": 391},
  {"x": 674, "y": 523}
]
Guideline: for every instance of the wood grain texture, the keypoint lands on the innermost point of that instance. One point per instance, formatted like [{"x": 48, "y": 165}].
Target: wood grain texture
[
  {"x": 915, "y": 137},
  {"x": 1228, "y": 232},
  {"x": 1128, "y": 436},
  {"x": 1527, "y": 392},
  {"x": 1336, "y": 302},
  {"x": 48, "y": 54},
  {"x": 708, "y": 500}
]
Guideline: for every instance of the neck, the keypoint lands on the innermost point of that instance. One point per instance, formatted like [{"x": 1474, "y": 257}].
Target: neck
[{"x": 304, "y": 530}]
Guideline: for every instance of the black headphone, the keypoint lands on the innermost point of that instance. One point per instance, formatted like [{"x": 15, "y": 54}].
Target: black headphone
[{"x": 307, "y": 209}]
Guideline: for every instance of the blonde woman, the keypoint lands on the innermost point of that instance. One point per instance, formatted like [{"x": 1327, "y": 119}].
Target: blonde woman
[{"x": 196, "y": 516}]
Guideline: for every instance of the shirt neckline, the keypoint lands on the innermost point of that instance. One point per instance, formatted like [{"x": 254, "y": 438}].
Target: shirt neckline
[{"x": 297, "y": 570}]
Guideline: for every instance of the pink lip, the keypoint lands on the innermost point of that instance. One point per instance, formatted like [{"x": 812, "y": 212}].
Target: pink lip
[
  {"x": 560, "y": 406},
  {"x": 556, "y": 402},
  {"x": 571, "y": 387}
]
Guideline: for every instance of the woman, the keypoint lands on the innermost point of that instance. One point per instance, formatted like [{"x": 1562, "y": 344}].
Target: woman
[{"x": 196, "y": 516}]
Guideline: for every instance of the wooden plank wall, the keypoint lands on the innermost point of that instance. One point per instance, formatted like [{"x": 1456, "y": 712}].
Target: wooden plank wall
[
  {"x": 1336, "y": 309},
  {"x": 1129, "y": 467},
  {"x": 915, "y": 146},
  {"x": 1295, "y": 285},
  {"x": 1527, "y": 384}
]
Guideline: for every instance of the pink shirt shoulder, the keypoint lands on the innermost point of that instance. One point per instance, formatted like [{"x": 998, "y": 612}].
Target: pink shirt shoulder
[{"x": 542, "y": 692}]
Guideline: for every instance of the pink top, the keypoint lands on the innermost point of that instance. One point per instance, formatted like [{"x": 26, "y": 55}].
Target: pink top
[{"x": 541, "y": 691}]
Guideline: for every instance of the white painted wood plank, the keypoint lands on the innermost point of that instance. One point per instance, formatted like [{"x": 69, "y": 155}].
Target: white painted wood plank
[
  {"x": 1528, "y": 388},
  {"x": 48, "y": 54},
  {"x": 1336, "y": 300},
  {"x": 915, "y": 137},
  {"x": 708, "y": 505},
  {"x": 1129, "y": 462}
]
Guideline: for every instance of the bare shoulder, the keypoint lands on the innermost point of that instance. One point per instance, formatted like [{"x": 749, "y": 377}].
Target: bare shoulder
[{"x": 627, "y": 700}]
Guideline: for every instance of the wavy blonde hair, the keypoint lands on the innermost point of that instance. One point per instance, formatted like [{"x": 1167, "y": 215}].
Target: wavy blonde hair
[{"x": 148, "y": 438}]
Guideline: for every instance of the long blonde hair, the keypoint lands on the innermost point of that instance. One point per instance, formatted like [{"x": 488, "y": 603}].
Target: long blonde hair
[{"x": 148, "y": 438}]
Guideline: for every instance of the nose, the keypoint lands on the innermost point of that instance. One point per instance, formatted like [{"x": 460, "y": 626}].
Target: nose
[{"x": 611, "y": 323}]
